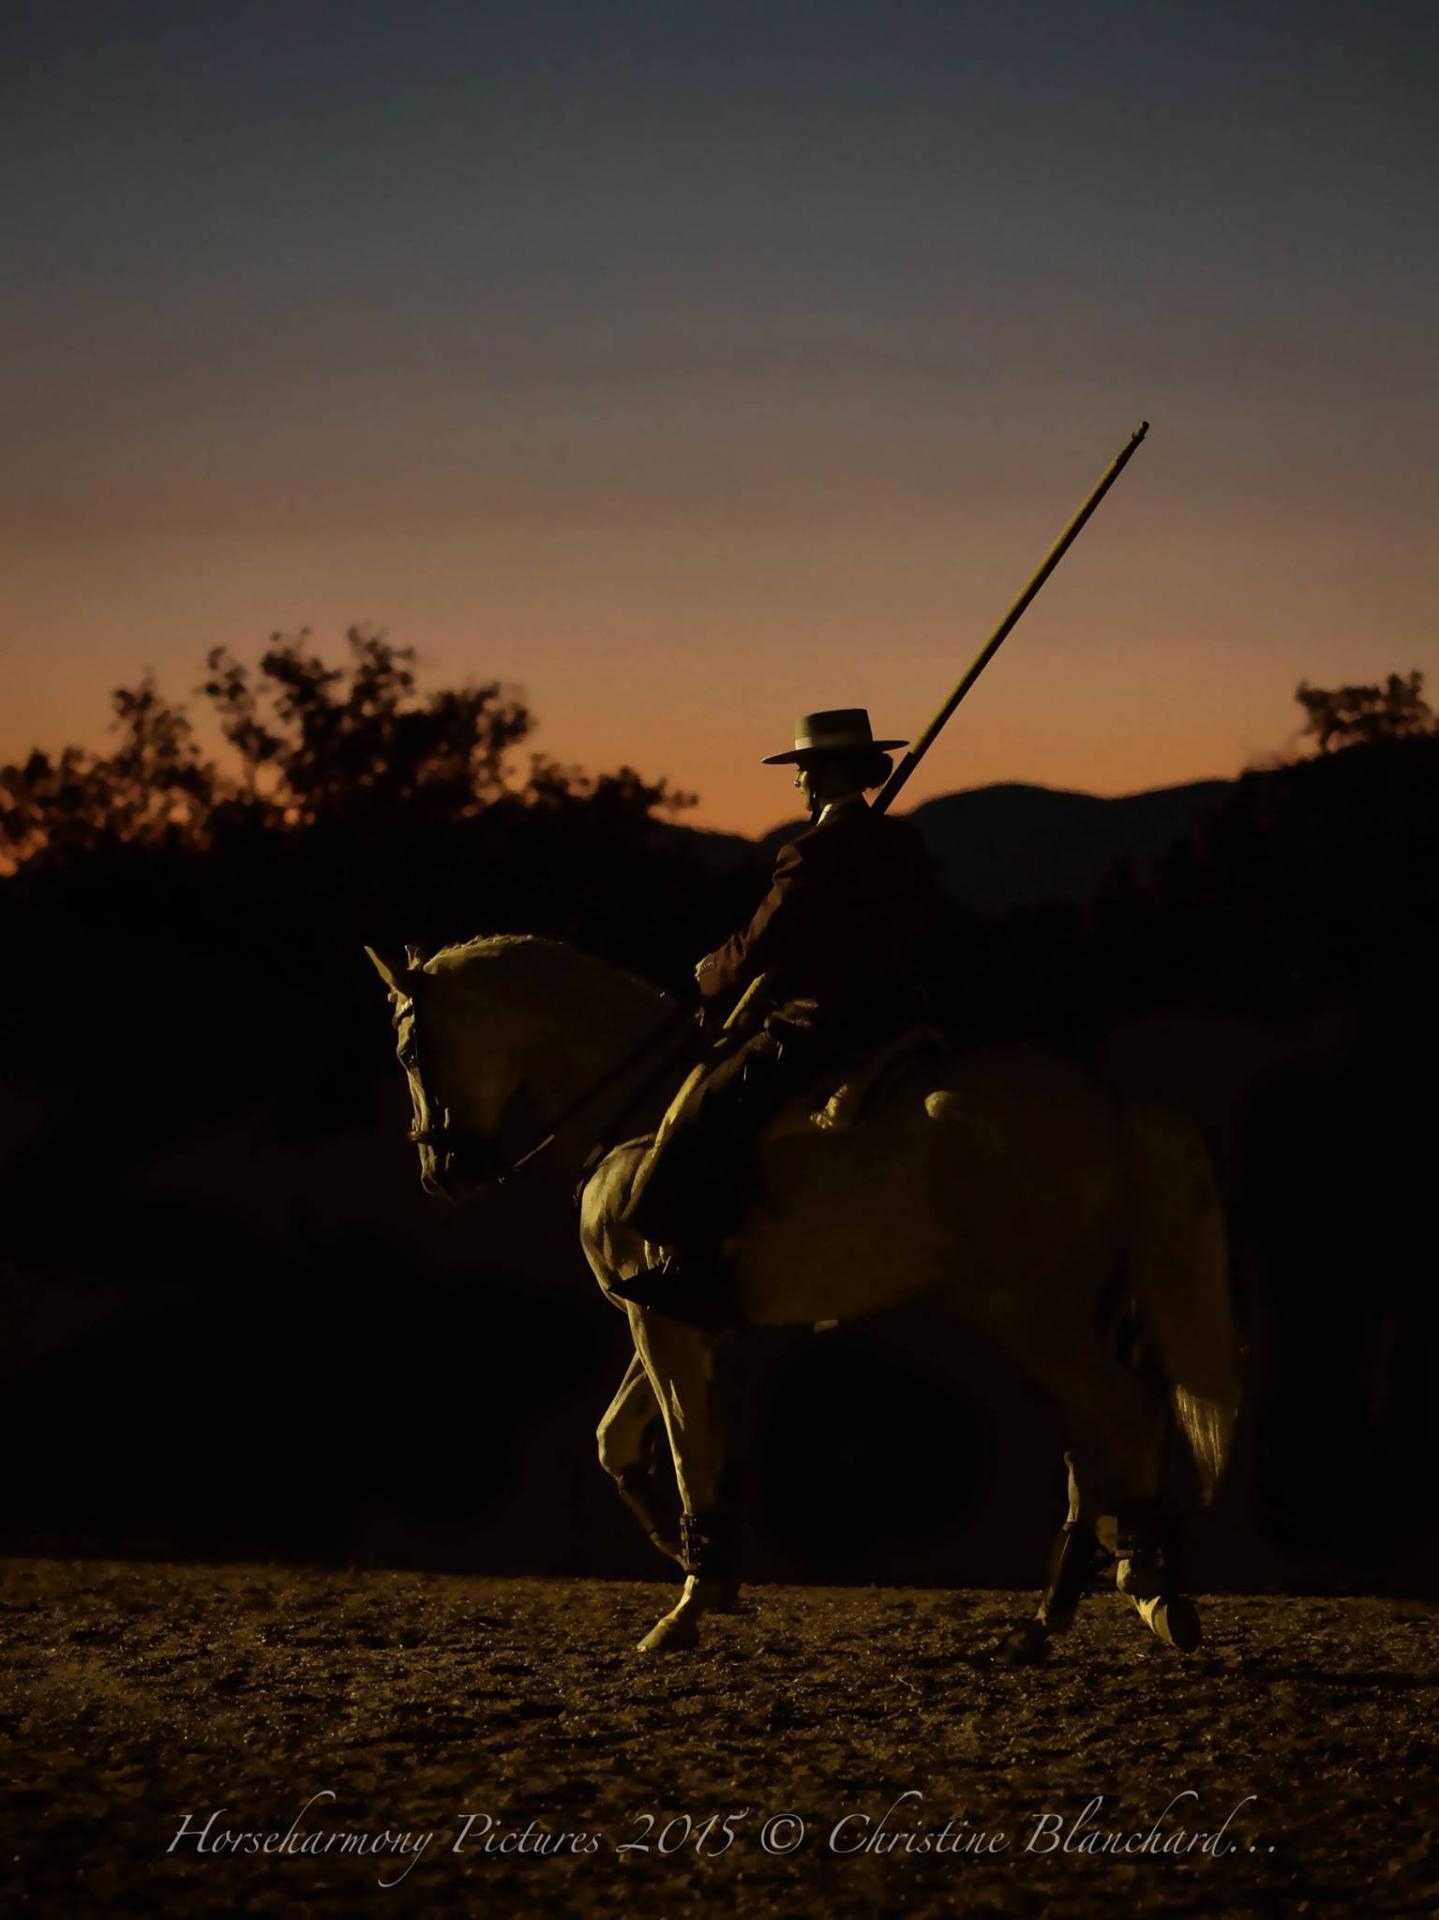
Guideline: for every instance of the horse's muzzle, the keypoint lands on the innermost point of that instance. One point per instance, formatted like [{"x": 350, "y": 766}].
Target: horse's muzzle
[{"x": 464, "y": 1160}]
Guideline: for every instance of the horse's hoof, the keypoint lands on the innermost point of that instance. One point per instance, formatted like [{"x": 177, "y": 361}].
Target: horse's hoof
[
  {"x": 1139, "y": 1578},
  {"x": 1174, "y": 1619},
  {"x": 727, "y": 1600},
  {"x": 1026, "y": 1646},
  {"x": 675, "y": 1633},
  {"x": 1177, "y": 1621}
]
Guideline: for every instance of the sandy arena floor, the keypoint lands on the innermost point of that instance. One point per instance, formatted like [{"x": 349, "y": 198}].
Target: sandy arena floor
[{"x": 143, "y": 1699}]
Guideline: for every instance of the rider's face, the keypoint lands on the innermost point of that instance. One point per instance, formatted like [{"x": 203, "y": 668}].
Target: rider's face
[{"x": 819, "y": 783}]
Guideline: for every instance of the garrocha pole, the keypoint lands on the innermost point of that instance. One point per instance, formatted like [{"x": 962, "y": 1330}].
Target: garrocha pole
[{"x": 926, "y": 740}]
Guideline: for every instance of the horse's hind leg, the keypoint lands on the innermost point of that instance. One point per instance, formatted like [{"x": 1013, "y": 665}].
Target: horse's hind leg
[
  {"x": 1074, "y": 1560},
  {"x": 1147, "y": 1572},
  {"x": 1118, "y": 1417},
  {"x": 1137, "y": 1548},
  {"x": 1142, "y": 1535}
]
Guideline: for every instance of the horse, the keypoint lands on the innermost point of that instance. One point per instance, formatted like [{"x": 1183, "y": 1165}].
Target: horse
[{"x": 1042, "y": 1205}]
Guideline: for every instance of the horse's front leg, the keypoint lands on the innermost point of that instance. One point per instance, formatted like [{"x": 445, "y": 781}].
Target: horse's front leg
[
  {"x": 680, "y": 1363},
  {"x": 630, "y": 1438}
]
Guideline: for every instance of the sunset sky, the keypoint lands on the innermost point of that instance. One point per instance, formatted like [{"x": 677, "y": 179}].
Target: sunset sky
[{"x": 693, "y": 364}]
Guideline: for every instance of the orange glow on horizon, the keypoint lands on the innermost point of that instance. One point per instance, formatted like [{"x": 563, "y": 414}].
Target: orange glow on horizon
[{"x": 692, "y": 368}]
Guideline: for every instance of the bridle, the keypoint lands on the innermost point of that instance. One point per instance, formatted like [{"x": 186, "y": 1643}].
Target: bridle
[{"x": 480, "y": 1154}]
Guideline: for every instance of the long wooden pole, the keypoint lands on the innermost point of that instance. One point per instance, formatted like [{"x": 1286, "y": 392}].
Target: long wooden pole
[{"x": 1061, "y": 546}]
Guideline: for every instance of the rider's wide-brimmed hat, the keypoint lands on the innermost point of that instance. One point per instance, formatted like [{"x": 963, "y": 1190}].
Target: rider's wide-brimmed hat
[{"x": 840, "y": 730}]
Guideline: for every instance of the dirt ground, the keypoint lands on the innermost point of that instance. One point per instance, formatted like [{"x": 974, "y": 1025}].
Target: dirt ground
[{"x": 759, "y": 1775}]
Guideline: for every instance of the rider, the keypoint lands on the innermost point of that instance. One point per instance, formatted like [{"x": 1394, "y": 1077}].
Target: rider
[{"x": 843, "y": 939}]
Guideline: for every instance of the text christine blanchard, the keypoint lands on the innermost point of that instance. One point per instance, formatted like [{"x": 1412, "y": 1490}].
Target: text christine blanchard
[{"x": 902, "y": 1828}]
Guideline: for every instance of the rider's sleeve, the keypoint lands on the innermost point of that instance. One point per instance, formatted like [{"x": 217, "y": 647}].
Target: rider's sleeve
[{"x": 778, "y": 930}]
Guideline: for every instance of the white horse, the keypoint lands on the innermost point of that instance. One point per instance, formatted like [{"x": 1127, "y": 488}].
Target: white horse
[{"x": 1005, "y": 1179}]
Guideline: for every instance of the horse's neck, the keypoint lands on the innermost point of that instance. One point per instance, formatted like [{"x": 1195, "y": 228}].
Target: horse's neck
[{"x": 598, "y": 1019}]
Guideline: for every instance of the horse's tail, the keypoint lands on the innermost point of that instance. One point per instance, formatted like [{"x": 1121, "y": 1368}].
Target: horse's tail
[{"x": 1179, "y": 1268}]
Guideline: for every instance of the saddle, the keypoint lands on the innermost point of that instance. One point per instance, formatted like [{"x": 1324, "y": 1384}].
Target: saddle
[
  {"x": 836, "y": 1100},
  {"x": 695, "y": 1181},
  {"x": 697, "y": 1176},
  {"x": 842, "y": 1107}
]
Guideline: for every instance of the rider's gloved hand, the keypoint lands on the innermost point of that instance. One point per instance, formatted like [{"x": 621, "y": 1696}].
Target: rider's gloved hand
[
  {"x": 709, "y": 1019},
  {"x": 688, "y": 1002},
  {"x": 704, "y": 1006}
]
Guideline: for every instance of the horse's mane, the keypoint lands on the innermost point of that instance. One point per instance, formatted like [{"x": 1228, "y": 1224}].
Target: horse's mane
[
  {"x": 495, "y": 943},
  {"x": 542, "y": 969}
]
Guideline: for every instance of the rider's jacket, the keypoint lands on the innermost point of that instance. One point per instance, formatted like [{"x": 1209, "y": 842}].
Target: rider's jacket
[{"x": 849, "y": 922}]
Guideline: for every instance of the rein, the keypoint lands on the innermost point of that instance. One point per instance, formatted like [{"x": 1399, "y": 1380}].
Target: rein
[{"x": 492, "y": 1163}]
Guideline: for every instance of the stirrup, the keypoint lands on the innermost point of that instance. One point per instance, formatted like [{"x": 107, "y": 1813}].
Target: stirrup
[
  {"x": 697, "y": 1289},
  {"x": 648, "y": 1288}
]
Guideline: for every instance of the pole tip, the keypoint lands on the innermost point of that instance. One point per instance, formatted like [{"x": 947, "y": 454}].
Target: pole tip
[{"x": 1142, "y": 430}]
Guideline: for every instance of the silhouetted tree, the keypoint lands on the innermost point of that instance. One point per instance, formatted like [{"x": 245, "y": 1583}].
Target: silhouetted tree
[
  {"x": 156, "y": 787},
  {"x": 612, "y": 797},
  {"x": 353, "y": 746},
  {"x": 1361, "y": 716},
  {"x": 351, "y": 742}
]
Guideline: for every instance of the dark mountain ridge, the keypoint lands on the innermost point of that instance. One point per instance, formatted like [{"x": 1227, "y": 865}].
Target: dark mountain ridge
[{"x": 1014, "y": 845}]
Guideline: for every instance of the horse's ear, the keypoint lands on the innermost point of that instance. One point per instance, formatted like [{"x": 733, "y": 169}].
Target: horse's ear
[
  {"x": 414, "y": 958},
  {"x": 392, "y": 972}
]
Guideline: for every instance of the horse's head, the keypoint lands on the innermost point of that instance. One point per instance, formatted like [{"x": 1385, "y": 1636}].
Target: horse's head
[
  {"x": 505, "y": 1038},
  {"x": 463, "y": 1061}
]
